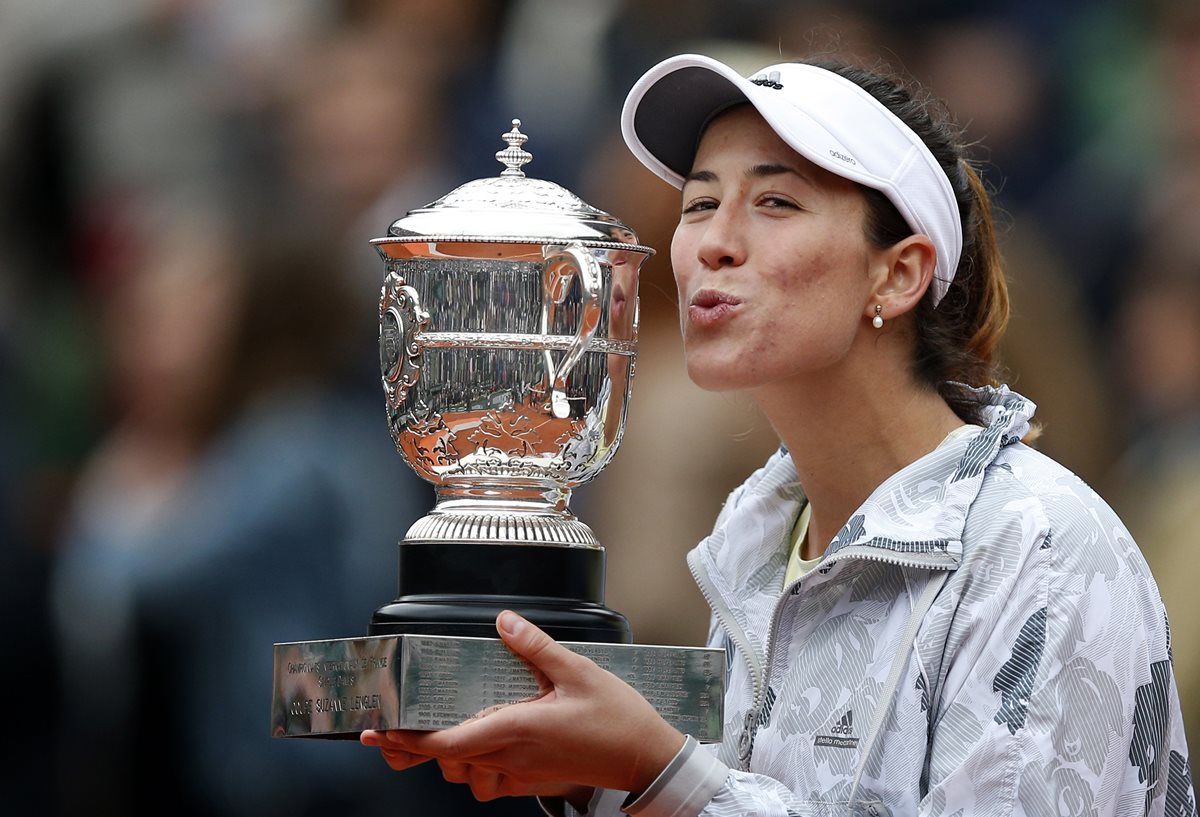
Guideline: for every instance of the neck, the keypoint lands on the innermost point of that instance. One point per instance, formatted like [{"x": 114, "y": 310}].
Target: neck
[{"x": 847, "y": 432}]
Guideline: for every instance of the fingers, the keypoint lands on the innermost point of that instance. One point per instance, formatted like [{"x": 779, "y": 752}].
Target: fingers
[
  {"x": 399, "y": 759},
  {"x": 486, "y": 784},
  {"x": 533, "y": 645},
  {"x": 396, "y": 756},
  {"x": 489, "y": 782},
  {"x": 454, "y": 771},
  {"x": 461, "y": 743}
]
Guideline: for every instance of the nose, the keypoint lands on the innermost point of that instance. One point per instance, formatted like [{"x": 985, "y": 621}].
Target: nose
[{"x": 722, "y": 243}]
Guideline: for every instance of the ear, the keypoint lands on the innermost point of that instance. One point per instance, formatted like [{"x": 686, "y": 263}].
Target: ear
[{"x": 903, "y": 272}]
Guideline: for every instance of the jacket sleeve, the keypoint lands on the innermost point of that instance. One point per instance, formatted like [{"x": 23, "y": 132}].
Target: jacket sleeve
[
  {"x": 702, "y": 784},
  {"x": 694, "y": 782},
  {"x": 1057, "y": 695}
]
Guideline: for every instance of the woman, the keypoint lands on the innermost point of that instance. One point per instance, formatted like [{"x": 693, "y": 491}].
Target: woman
[{"x": 923, "y": 615}]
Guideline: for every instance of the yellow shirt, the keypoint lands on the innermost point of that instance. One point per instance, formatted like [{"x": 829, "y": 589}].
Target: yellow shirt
[{"x": 797, "y": 567}]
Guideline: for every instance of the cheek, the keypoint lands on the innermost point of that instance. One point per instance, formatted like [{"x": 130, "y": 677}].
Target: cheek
[
  {"x": 679, "y": 271},
  {"x": 834, "y": 277},
  {"x": 679, "y": 252},
  {"x": 800, "y": 276}
]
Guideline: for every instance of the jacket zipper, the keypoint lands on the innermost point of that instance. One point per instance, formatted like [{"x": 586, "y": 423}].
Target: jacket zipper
[
  {"x": 760, "y": 674},
  {"x": 725, "y": 618}
]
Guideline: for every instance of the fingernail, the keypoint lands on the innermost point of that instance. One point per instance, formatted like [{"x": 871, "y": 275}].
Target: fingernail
[
  {"x": 394, "y": 738},
  {"x": 369, "y": 738},
  {"x": 510, "y": 623}
]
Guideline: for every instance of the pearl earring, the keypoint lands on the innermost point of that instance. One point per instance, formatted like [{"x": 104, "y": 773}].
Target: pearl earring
[{"x": 877, "y": 321}]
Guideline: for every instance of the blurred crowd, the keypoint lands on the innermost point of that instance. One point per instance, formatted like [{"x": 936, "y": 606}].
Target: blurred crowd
[{"x": 194, "y": 461}]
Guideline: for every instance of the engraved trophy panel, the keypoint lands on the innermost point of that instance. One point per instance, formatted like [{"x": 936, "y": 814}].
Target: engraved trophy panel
[{"x": 343, "y": 686}]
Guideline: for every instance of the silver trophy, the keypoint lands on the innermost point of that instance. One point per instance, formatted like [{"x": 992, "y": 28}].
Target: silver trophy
[{"x": 508, "y": 336}]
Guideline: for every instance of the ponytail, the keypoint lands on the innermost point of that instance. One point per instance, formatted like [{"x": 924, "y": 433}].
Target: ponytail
[
  {"x": 990, "y": 289},
  {"x": 957, "y": 341}
]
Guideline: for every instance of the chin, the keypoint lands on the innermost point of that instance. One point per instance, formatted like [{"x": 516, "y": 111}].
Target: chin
[{"x": 729, "y": 377}]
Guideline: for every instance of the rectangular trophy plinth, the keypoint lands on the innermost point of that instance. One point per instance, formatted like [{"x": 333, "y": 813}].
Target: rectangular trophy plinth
[{"x": 338, "y": 688}]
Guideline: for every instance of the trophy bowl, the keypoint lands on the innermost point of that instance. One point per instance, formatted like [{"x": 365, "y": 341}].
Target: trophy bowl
[{"x": 508, "y": 338}]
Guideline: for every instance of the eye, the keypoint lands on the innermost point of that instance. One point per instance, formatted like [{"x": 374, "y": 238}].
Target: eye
[
  {"x": 699, "y": 205},
  {"x": 778, "y": 202}
]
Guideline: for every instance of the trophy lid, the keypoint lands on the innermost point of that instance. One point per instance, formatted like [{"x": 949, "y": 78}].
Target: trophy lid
[{"x": 513, "y": 208}]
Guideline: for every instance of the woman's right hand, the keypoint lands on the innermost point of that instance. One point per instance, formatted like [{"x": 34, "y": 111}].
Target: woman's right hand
[{"x": 587, "y": 728}]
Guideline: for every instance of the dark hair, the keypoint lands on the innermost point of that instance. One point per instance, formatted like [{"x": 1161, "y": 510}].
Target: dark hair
[{"x": 956, "y": 341}]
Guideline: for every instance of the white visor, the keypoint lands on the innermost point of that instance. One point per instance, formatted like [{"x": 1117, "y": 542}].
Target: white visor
[{"x": 824, "y": 117}]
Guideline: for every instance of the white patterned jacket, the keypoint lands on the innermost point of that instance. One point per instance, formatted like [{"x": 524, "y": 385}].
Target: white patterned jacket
[{"x": 983, "y": 637}]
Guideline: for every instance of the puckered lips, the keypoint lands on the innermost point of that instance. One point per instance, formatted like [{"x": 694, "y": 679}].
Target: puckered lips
[
  {"x": 617, "y": 307},
  {"x": 711, "y": 306}
]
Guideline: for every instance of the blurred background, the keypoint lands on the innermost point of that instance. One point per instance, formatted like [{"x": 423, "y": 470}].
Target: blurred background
[{"x": 194, "y": 461}]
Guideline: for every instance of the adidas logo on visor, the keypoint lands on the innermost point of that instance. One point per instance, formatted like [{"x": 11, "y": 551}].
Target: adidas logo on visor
[{"x": 771, "y": 80}]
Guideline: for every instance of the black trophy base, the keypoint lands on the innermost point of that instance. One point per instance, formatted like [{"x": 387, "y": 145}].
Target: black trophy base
[{"x": 458, "y": 588}]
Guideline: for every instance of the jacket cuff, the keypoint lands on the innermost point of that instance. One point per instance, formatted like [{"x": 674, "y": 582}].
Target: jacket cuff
[
  {"x": 684, "y": 788},
  {"x": 602, "y": 802}
]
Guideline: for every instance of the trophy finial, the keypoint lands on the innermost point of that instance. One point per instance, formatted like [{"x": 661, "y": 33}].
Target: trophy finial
[{"x": 512, "y": 157}]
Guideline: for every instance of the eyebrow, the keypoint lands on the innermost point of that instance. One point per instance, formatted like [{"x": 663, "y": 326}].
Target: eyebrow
[
  {"x": 769, "y": 169},
  {"x": 758, "y": 171}
]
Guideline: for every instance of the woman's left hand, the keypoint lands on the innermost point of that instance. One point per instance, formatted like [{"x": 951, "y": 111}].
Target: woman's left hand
[{"x": 586, "y": 728}]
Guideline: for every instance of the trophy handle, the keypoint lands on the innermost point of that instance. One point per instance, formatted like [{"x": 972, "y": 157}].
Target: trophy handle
[
  {"x": 401, "y": 320},
  {"x": 573, "y": 260}
]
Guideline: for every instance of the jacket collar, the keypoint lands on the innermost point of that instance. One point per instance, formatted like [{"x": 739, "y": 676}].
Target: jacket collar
[{"x": 915, "y": 517}]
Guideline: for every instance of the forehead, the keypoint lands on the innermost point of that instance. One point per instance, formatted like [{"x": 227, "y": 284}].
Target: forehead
[{"x": 740, "y": 138}]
